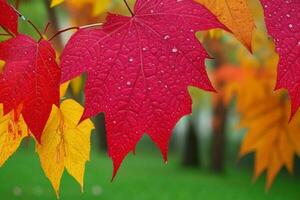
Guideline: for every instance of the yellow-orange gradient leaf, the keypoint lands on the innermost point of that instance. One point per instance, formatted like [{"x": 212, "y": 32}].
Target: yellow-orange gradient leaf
[
  {"x": 235, "y": 15},
  {"x": 265, "y": 114},
  {"x": 270, "y": 135}
]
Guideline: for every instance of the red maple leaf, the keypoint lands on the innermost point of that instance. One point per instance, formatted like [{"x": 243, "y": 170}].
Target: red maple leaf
[
  {"x": 8, "y": 17},
  {"x": 30, "y": 78},
  {"x": 283, "y": 22},
  {"x": 139, "y": 69}
]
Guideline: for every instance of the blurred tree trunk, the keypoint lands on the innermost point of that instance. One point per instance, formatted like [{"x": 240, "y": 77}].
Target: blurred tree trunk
[
  {"x": 54, "y": 26},
  {"x": 101, "y": 131},
  {"x": 219, "y": 135},
  {"x": 190, "y": 157},
  {"x": 216, "y": 50}
]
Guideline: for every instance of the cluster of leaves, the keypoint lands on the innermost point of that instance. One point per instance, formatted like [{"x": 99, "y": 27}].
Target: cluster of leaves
[
  {"x": 265, "y": 114},
  {"x": 30, "y": 97},
  {"x": 272, "y": 132},
  {"x": 138, "y": 70}
]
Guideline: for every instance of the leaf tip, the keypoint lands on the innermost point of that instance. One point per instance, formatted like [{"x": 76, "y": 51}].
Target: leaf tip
[
  {"x": 116, "y": 166},
  {"x": 57, "y": 194}
]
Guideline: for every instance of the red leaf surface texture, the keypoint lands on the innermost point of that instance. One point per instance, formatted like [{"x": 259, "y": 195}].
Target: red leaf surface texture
[
  {"x": 283, "y": 23},
  {"x": 8, "y": 17},
  {"x": 30, "y": 78},
  {"x": 138, "y": 70}
]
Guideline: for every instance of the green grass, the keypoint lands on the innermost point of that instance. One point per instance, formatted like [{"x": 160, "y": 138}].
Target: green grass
[{"x": 141, "y": 177}]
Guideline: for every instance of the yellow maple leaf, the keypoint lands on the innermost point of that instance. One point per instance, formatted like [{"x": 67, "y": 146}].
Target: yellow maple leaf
[
  {"x": 56, "y": 2},
  {"x": 215, "y": 33},
  {"x": 76, "y": 85},
  {"x": 75, "y": 3},
  {"x": 235, "y": 15},
  {"x": 2, "y": 64},
  {"x": 63, "y": 89},
  {"x": 12, "y": 131},
  {"x": 65, "y": 144},
  {"x": 98, "y": 6}
]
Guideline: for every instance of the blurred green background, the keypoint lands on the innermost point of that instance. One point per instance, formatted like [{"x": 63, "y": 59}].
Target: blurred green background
[
  {"x": 189, "y": 173},
  {"x": 142, "y": 177}
]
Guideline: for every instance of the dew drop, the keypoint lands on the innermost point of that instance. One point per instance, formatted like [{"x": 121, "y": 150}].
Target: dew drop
[
  {"x": 166, "y": 37},
  {"x": 174, "y": 50}
]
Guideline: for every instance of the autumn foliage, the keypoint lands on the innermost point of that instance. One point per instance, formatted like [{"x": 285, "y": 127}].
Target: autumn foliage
[{"x": 138, "y": 70}]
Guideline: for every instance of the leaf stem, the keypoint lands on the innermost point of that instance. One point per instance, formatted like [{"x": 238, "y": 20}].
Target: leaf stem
[
  {"x": 7, "y": 31},
  {"x": 30, "y": 22},
  {"x": 91, "y": 25},
  {"x": 75, "y": 27},
  {"x": 17, "y": 4},
  {"x": 4, "y": 34},
  {"x": 128, "y": 7},
  {"x": 46, "y": 28},
  {"x": 36, "y": 29},
  {"x": 62, "y": 31},
  {"x": 53, "y": 18}
]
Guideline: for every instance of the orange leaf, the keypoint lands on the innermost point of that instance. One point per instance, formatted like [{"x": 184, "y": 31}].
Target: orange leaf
[
  {"x": 274, "y": 140},
  {"x": 235, "y": 15}
]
